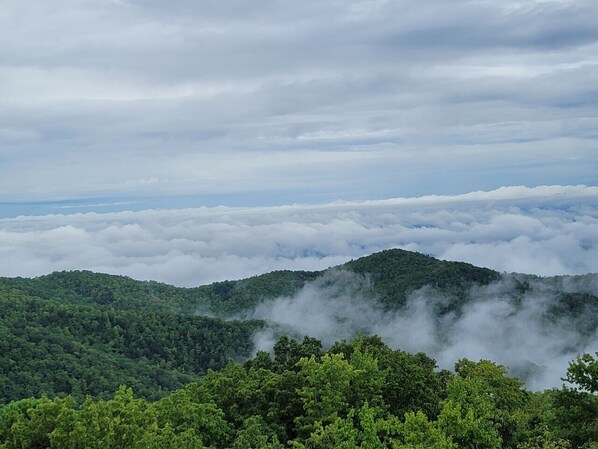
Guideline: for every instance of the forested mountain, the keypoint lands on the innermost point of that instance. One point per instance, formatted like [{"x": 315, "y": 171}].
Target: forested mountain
[
  {"x": 86, "y": 333},
  {"x": 394, "y": 273},
  {"x": 80, "y": 349},
  {"x": 82, "y": 333}
]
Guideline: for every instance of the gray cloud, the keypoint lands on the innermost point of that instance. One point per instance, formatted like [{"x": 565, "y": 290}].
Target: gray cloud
[
  {"x": 349, "y": 100},
  {"x": 494, "y": 325},
  {"x": 545, "y": 230}
]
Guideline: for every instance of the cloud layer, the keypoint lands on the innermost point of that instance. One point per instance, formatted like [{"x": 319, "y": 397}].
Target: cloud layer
[
  {"x": 544, "y": 230},
  {"x": 311, "y": 101}
]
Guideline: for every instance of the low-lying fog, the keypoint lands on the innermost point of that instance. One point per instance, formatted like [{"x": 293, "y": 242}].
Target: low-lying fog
[{"x": 493, "y": 325}]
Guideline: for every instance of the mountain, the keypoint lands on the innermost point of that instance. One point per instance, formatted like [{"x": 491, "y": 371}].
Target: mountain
[
  {"x": 394, "y": 273},
  {"x": 86, "y": 333}
]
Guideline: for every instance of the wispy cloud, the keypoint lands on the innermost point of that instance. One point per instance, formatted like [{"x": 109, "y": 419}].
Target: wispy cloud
[
  {"x": 497, "y": 323},
  {"x": 544, "y": 230}
]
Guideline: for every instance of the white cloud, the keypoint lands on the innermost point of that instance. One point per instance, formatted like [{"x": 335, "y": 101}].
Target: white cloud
[
  {"x": 494, "y": 325},
  {"x": 545, "y": 230}
]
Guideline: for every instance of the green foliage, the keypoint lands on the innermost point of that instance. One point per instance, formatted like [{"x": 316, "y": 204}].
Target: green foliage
[
  {"x": 494, "y": 399},
  {"x": 167, "y": 437},
  {"x": 118, "y": 422},
  {"x": 255, "y": 434},
  {"x": 325, "y": 392},
  {"x": 184, "y": 411},
  {"x": 13, "y": 412},
  {"x": 325, "y": 400},
  {"x": 287, "y": 352},
  {"x": 419, "y": 432},
  {"x": 411, "y": 382},
  {"x": 33, "y": 427},
  {"x": 231, "y": 297},
  {"x": 469, "y": 427},
  {"x": 583, "y": 372},
  {"x": 545, "y": 441},
  {"x": 88, "y": 349},
  {"x": 573, "y": 416},
  {"x": 571, "y": 413},
  {"x": 396, "y": 273}
]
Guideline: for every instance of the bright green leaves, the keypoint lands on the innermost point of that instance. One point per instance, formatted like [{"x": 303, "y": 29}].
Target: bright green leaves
[
  {"x": 359, "y": 430},
  {"x": 255, "y": 434},
  {"x": 573, "y": 415},
  {"x": 167, "y": 437},
  {"x": 418, "y": 432},
  {"x": 359, "y": 395},
  {"x": 410, "y": 380},
  {"x": 333, "y": 386},
  {"x": 33, "y": 427},
  {"x": 367, "y": 428},
  {"x": 118, "y": 422},
  {"x": 367, "y": 383},
  {"x": 121, "y": 422},
  {"x": 11, "y": 413},
  {"x": 489, "y": 400},
  {"x": 325, "y": 392},
  {"x": 183, "y": 412},
  {"x": 467, "y": 427},
  {"x": 583, "y": 372}
]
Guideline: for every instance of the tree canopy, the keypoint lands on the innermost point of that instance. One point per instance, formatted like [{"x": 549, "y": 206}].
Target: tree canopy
[{"x": 359, "y": 394}]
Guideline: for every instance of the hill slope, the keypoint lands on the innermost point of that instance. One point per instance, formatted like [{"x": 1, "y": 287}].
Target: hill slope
[
  {"x": 86, "y": 333},
  {"x": 394, "y": 274}
]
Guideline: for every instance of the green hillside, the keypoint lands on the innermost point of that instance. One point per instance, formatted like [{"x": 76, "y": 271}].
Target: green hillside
[
  {"x": 395, "y": 273},
  {"x": 85, "y": 333},
  {"x": 124, "y": 293},
  {"x": 51, "y": 347}
]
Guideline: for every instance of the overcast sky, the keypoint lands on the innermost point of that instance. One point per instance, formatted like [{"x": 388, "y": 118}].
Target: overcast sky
[{"x": 107, "y": 105}]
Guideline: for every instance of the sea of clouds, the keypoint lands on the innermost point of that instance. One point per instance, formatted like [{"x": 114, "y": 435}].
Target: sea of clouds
[{"x": 545, "y": 230}]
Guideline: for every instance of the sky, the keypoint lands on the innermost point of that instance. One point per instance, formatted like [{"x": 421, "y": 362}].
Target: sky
[
  {"x": 116, "y": 105},
  {"x": 194, "y": 141}
]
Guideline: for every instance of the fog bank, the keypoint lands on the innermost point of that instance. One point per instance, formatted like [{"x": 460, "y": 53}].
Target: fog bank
[{"x": 496, "y": 324}]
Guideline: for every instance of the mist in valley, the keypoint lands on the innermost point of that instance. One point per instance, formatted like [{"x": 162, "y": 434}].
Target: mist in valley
[{"x": 519, "y": 328}]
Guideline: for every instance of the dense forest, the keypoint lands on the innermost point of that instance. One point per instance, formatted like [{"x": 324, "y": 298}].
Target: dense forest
[
  {"x": 85, "y": 349},
  {"x": 84, "y": 333},
  {"x": 358, "y": 394},
  {"x": 70, "y": 340}
]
